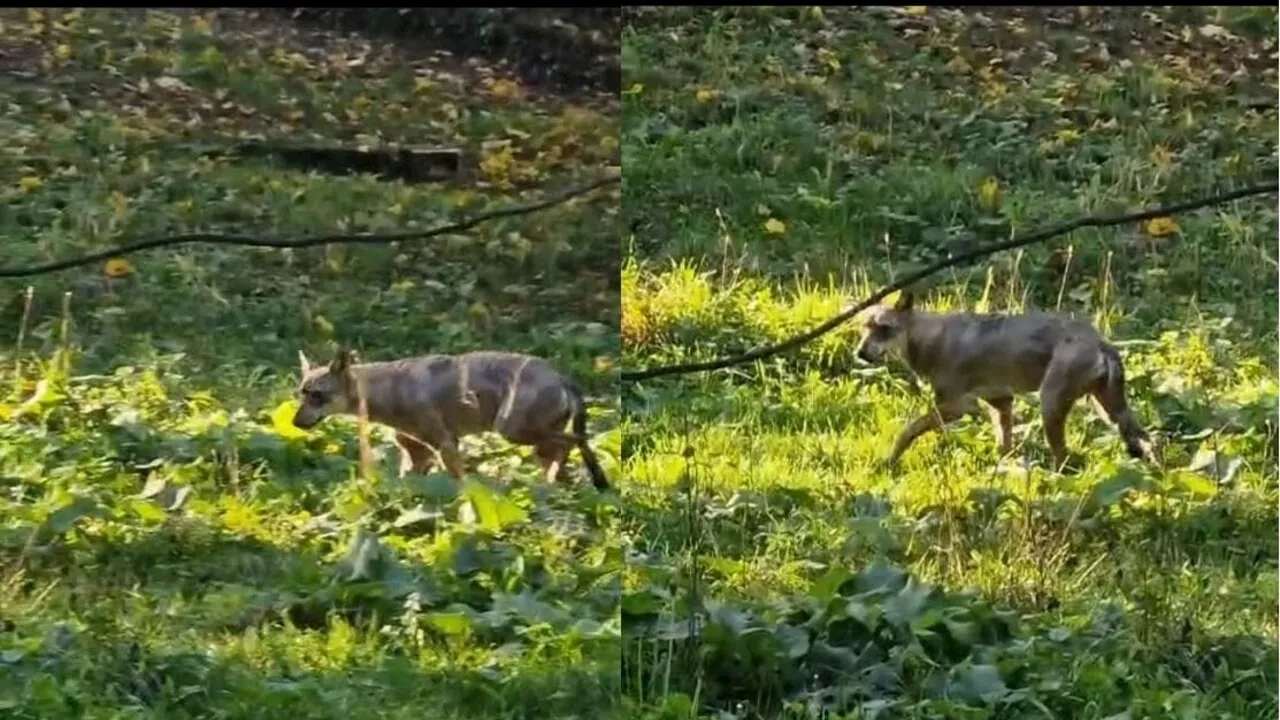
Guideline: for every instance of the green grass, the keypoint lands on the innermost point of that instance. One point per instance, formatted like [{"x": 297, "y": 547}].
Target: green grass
[
  {"x": 781, "y": 163},
  {"x": 166, "y": 548}
]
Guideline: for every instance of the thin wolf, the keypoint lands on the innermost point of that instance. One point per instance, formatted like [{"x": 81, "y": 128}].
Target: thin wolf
[
  {"x": 967, "y": 357},
  {"x": 433, "y": 401}
]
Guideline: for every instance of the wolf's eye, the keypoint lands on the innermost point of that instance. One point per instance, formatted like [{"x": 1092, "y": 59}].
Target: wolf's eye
[{"x": 881, "y": 330}]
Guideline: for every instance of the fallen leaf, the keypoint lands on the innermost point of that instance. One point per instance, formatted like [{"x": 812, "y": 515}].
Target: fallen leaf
[
  {"x": 1161, "y": 227},
  {"x": 116, "y": 268},
  {"x": 989, "y": 193},
  {"x": 774, "y": 226},
  {"x": 635, "y": 89},
  {"x": 62, "y": 52},
  {"x": 1161, "y": 157},
  {"x": 504, "y": 89},
  {"x": 915, "y": 10}
]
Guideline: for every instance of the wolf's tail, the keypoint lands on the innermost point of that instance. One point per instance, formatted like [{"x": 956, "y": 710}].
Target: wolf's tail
[{"x": 580, "y": 438}]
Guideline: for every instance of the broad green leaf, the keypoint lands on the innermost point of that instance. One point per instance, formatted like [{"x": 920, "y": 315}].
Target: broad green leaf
[
  {"x": 494, "y": 511},
  {"x": 436, "y": 486},
  {"x": 794, "y": 641},
  {"x": 908, "y": 603},
  {"x": 879, "y": 578},
  {"x": 148, "y": 510},
  {"x": 642, "y": 602},
  {"x": 1195, "y": 484},
  {"x": 450, "y": 623},
  {"x": 829, "y": 584},
  {"x": 1110, "y": 491},
  {"x": 979, "y": 682},
  {"x": 65, "y": 517}
]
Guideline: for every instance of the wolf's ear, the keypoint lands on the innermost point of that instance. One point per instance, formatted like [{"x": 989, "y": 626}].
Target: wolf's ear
[
  {"x": 905, "y": 301},
  {"x": 305, "y": 363},
  {"x": 342, "y": 361}
]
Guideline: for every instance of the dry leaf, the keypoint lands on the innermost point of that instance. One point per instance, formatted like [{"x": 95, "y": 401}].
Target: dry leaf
[
  {"x": 774, "y": 226},
  {"x": 989, "y": 193},
  {"x": 116, "y": 268},
  {"x": 1161, "y": 227}
]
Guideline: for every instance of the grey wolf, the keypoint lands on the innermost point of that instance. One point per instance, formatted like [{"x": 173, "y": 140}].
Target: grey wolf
[
  {"x": 432, "y": 401},
  {"x": 967, "y": 357}
]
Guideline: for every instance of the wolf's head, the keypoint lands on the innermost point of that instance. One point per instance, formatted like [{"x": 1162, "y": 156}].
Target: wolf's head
[
  {"x": 885, "y": 327},
  {"x": 325, "y": 389}
]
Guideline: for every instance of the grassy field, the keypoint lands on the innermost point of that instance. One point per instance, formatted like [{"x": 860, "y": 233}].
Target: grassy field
[
  {"x": 781, "y": 163},
  {"x": 169, "y": 545}
]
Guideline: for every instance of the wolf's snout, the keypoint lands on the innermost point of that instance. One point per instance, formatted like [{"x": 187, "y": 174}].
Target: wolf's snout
[
  {"x": 303, "y": 420},
  {"x": 865, "y": 355}
]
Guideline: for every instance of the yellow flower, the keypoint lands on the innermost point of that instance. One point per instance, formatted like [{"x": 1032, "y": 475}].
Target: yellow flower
[
  {"x": 62, "y": 52},
  {"x": 989, "y": 192},
  {"x": 282, "y": 420},
  {"x": 915, "y": 10},
  {"x": 30, "y": 183},
  {"x": 116, "y": 268},
  {"x": 603, "y": 363},
  {"x": 703, "y": 95},
  {"x": 635, "y": 89},
  {"x": 774, "y": 226},
  {"x": 1161, "y": 227}
]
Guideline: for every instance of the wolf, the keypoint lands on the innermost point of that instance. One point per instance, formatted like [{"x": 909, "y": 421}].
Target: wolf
[
  {"x": 433, "y": 401},
  {"x": 967, "y": 357}
]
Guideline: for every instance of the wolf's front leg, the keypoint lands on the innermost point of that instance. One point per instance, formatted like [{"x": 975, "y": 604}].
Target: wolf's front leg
[
  {"x": 415, "y": 455},
  {"x": 938, "y": 416},
  {"x": 452, "y": 458}
]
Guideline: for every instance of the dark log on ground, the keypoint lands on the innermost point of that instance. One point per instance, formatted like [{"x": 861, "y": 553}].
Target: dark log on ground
[{"x": 412, "y": 165}]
